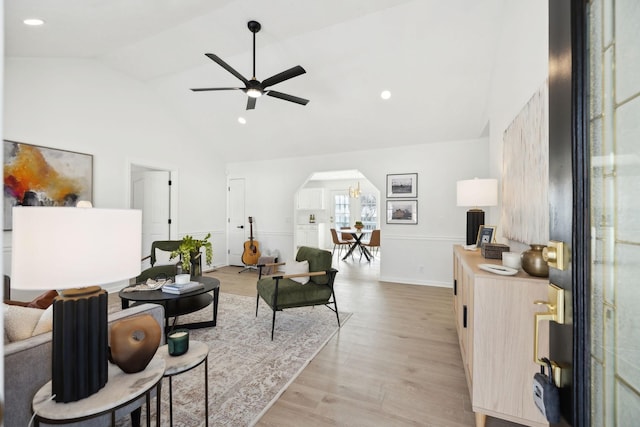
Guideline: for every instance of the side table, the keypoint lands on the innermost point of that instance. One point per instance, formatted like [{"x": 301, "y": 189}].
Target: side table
[
  {"x": 121, "y": 389},
  {"x": 174, "y": 365}
]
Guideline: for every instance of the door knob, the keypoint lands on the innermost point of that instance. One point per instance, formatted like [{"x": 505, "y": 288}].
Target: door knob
[
  {"x": 240, "y": 226},
  {"x": 556, "y": 255}
]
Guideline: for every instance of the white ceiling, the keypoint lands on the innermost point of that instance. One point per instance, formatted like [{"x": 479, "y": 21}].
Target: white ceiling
[{"x": 435, "y": 56}]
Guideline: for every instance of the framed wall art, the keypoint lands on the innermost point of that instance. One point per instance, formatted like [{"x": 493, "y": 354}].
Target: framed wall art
[
  {"x": 402, "y": 185},
  {"x": 525, "y": 172},
  {"x": 402, "y": 211},
  {"x": 42, "y": 176}
]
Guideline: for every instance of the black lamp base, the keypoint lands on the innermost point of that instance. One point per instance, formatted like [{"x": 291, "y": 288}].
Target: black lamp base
[
  {"x": 80, "y": 344},
  {"x": 475, "y": 218}
]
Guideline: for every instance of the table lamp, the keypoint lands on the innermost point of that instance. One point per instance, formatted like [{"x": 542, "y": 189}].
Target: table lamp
[
  {"x": 73, "y": 250},
  {"x": 475, "y": 193}
]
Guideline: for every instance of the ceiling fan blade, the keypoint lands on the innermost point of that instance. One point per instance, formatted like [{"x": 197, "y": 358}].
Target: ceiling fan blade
[
  {"x": 227, "y": 67},
  {"x": 201, "y": 89},
  {"x": 287, "y": 97},
  {"x": 285, "y": 75},
  {"x": 251, "y": 103}
]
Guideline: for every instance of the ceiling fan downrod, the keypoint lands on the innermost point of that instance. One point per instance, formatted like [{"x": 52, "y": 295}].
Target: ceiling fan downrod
[{"x": 254, "y": 27}]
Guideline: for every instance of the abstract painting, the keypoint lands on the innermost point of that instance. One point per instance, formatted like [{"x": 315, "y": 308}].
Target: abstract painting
[
  {"x": 41, "y": 176},
  {"x": 525, "y": 173}
]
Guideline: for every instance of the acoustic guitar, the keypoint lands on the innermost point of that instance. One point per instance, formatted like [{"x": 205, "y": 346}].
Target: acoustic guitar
[{"x": 251, "y": 252}]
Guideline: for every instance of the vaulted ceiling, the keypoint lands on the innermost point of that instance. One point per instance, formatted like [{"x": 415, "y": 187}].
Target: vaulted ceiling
[{"x": 435, "y": 56}]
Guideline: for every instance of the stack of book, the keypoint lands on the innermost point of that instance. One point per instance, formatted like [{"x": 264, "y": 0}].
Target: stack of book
[{"x": 181, "y": 288}]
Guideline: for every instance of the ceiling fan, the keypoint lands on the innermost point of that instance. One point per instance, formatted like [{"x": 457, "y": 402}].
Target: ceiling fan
[{"x": 255, "y": 88}]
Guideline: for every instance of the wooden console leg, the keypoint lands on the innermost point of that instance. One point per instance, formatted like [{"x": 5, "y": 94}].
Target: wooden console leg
[{"x": 481, "y": 419}]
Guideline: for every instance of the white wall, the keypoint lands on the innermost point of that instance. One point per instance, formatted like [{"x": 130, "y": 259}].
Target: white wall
[
  {"x": 419, "y": 254},
  {"x": 521, "y": 68},
  {"x": 82, "y": 106}
]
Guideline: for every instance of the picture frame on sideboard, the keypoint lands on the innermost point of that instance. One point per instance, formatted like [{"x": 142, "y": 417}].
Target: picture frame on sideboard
[{"x": 486, "y": 234}]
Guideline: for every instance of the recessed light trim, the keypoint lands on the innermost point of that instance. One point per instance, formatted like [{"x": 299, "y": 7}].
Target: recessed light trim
[
  {"x": 242, "y": 120},
  {"x": 385, "y": 94},
  {"x": 33, "y": 22}
]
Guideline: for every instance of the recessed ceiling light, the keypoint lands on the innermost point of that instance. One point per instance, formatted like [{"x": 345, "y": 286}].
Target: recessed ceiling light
[
  {"x": 242, "y": 120},
  {"x": 34, "y": 22},
  {"x": 385, "y": 94}
]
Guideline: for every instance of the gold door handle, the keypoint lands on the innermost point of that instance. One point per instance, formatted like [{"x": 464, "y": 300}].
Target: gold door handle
[
  {"x": 554, "y": 313},
  {"x": 556, "y": 255}
]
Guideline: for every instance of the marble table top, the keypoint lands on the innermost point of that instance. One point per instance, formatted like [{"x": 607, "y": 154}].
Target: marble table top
[
  {"x": 198, "y": 351},
  {"x": 120, "y": 389}
]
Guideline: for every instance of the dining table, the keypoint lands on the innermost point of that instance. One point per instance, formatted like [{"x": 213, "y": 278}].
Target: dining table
[{"x": 357, "y": 243}]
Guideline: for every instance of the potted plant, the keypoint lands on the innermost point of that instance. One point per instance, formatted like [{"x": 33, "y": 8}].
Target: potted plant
[
  {"x": 190, "y": 248},
  {"x": 359, "y": 225}
]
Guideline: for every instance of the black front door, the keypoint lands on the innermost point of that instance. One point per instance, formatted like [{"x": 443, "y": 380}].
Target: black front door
[{"x": 569, "y": 204}]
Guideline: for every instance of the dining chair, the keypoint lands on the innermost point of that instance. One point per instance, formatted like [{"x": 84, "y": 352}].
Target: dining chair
[
  {"x": 337, "y": 243},
  {"x": 374, "y": 242},
  {"x": 347, "y": 237}
]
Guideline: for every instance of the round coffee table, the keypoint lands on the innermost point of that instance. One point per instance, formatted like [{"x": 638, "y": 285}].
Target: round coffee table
[{"x": 178, "y": 305}]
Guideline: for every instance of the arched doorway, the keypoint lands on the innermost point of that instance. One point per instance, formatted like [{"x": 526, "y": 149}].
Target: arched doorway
[{"x": 334, "y": 199}]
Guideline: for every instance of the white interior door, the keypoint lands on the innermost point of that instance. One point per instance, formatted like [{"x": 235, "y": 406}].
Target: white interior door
[
  {"x": 236, "y": 221},
  {"x": 151, "y": 194}
]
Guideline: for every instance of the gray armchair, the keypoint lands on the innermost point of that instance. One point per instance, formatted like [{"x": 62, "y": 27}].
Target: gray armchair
[{"x": 281, "y": 292}]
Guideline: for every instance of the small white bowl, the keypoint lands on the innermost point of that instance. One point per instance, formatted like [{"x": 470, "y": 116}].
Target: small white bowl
[
  {"x": 181, "y": 279},
  {"x": 511, "y": 259}
]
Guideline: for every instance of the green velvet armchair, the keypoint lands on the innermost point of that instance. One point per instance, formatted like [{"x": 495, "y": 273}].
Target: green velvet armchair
[
  {"x": 281, "y": 292},
  {"x": 163, "y": 268}
]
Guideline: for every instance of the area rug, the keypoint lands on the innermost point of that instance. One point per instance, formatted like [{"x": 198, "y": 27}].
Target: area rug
[{"x": 247, "y": 371}]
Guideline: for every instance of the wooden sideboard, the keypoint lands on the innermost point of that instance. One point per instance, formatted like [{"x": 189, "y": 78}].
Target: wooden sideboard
[{"x": 495, "y": 323}]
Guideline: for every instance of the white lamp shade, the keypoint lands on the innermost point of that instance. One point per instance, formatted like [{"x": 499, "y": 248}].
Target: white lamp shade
[
  {"x": 477, "y": 192},
  {"x": 62, "y": 248}
]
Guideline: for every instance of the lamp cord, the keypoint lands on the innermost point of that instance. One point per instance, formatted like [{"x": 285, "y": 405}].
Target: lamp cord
[{"x": 33, "y": 417}]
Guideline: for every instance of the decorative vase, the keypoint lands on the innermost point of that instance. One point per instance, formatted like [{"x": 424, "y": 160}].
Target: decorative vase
[
  {"x": 358, "y": 226},
  {"x": 533, "y": 263},
  {"x": 133, "y": 342}
]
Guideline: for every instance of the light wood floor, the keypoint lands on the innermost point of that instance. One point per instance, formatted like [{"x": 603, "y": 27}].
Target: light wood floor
[{"x": 396, "y": 361}]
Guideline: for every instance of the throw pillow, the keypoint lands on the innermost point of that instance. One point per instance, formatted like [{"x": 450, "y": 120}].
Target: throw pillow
[
  {"x": 45, "y": 324},
  {"x": 164, "y": 258},
  {"x": 19, "y": 322},
  {"x": 294, "y": 267}
]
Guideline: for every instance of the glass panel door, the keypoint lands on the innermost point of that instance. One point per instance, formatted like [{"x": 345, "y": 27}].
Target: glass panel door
[
  {"x": 614, "y": 134},
  {"x": 341, "y": 211}
]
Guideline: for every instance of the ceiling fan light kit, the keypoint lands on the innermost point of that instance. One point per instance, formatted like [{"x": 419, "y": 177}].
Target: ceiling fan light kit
[{"x": 255, "y": 88}]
